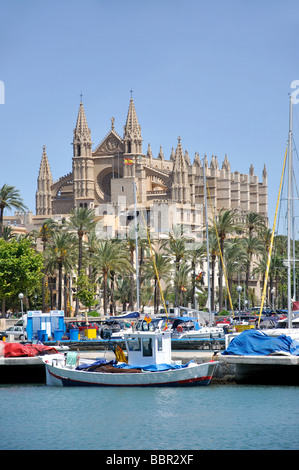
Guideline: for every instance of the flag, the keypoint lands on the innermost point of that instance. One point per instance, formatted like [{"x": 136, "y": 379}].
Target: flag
[
  {"x": 199, "y": 276},
  {"x": 147, "y": 318},
  {"x": 128, "y": 161}
]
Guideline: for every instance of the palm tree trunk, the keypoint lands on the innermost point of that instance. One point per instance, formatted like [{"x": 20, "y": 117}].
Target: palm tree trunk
[
  {"x": 59, "y": 285},
  {"x": 221, "y": 276},
  {"x": 132, "y": 280},
  {"x": 105, "y": 291},
  {"x": 155, "y": 296},
  {"x": 193, "y": 284},
  {"x": 213, "y": 283},
  {"x": 1, "y": 221},
  {"x": 80, "y": 236}
]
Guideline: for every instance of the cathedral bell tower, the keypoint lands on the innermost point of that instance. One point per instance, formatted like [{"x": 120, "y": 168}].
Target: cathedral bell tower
[{"x": 83, "y": 165}]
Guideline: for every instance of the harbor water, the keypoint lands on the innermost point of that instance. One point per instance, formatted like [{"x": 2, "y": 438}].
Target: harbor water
[{"x": 222, "y": 417}]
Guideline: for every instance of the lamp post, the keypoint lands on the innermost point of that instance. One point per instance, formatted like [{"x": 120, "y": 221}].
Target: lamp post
[
  {"x": 21, "y": 296},
  {"x": 239, "y": 289}
]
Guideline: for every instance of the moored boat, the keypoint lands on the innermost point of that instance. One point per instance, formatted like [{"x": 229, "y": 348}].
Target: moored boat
[{"x": 148, "y": 364}]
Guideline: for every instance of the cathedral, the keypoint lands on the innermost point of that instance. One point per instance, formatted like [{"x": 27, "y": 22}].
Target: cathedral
[{"x": 102, "y": 179}]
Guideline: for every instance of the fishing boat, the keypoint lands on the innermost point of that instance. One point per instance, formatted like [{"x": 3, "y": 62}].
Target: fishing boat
[{"x": 148, "y": 363}]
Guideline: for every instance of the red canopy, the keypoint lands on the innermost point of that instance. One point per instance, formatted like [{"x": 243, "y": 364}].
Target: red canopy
[{"x": 27, "y": 350}]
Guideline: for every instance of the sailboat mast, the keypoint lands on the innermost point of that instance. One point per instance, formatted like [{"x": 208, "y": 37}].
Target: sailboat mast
[
  {"x": 136, "y": 248},
  {"x": 289, "y": 207},
  {"x": 207, "y": 238}
]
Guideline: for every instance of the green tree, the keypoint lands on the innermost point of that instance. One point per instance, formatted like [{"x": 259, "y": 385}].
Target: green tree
[
  {"x": 196, "y": 256},
  {"x": 82, "y": 221},
  {"x": 86, "y": 291},
  {"x": 157, "y": 267},
  {"x": 60, "y": 255},
  {"x": 175, "y": 247},
  {"x": 252, "y": 246},
  {"x": 225, "y": 225},
  {"x": 45, "y": 234},
  {"x": 20, "y": 268},
  {"x": 9, "y": 198},
  {"x": 214, "y": 252},
  {"x": 111, "y": 256}
]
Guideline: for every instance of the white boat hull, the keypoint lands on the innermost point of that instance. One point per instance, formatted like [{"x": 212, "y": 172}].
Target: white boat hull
[
  {"x": 203, "y": 333},
  {"x": 194, "y": 374}
]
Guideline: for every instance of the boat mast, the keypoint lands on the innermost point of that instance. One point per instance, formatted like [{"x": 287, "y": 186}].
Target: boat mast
[
  {"x": 289, "y": 226},
  {"x": 136, "y": 247},
  {"x": 207, "y": 238}
]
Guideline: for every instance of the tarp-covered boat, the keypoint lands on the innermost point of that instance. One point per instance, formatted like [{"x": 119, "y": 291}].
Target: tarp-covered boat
[{"x": 257, "y": 343}]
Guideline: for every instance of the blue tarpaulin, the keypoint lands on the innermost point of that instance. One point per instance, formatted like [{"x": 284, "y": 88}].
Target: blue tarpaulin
[
  {"x": 153, "y": 367},
  {"x": 257, "y": 343}
]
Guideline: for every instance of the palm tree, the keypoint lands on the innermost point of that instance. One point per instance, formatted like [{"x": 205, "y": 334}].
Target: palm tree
[
  {"x": 176, "y": 248},
  {"x": 9, "y": 198},
  {"x": 196, "y": 256},
  {"x": 157, "y": 267},
  {"x": 225, "y": 225},
  {"x": 45, "y": 234},
  {"x": 235, "y": 260},
  {"x": 253, "y": 222},
  {"x": 60, "y": 255},
  {"x": 82, "y": 221},
  {"x": 122, "y": 292},
  {"x": 7, "y": 232},
  {"x": 214, "y": 251},
  {"x": 109, "y": 257},
  {"x": 181, "y": 280},
  {"x": 91, "y": 246},
  {"x": 252, "y": 246}
]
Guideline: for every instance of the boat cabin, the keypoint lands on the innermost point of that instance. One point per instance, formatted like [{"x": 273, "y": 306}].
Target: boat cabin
[{"x": 148, "y": 347}]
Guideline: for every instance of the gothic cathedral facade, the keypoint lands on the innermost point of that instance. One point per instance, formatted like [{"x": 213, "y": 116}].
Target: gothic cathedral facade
[{"x": 103, "y": 176}]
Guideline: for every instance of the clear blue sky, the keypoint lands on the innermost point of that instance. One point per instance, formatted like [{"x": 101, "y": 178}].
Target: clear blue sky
[{"x": 216, "y": 73}]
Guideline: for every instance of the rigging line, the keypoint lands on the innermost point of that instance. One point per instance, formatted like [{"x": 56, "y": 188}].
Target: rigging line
[
  {"x": 224, "y": 272},
  {"x": 272, "y": 239},
  {"x": 152, "y": 256}
]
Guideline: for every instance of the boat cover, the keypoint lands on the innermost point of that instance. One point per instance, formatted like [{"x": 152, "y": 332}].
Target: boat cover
[
  {"x": 192, "y": 320},
  {"x": 26, "y": 350},
  {"x": 257, "y": 343},
  {"x": 153, "y": 367},
  {"x": 127, "y": 315},
  {"x": 121, "y": 365}
]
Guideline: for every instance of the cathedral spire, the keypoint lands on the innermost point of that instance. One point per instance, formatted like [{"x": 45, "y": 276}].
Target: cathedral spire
[
  {"x": 132, "y": 131},
  {"x": 83, "y": 164},
  {"x": 179, "y": 158},
  {"x": 180, "y": 188},
  {"x": 82, "y": 137},
  {"x": 43, "y": 195}
]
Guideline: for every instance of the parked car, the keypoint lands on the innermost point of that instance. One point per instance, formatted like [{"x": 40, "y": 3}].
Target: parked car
[{"x": 16, "y": 331}]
